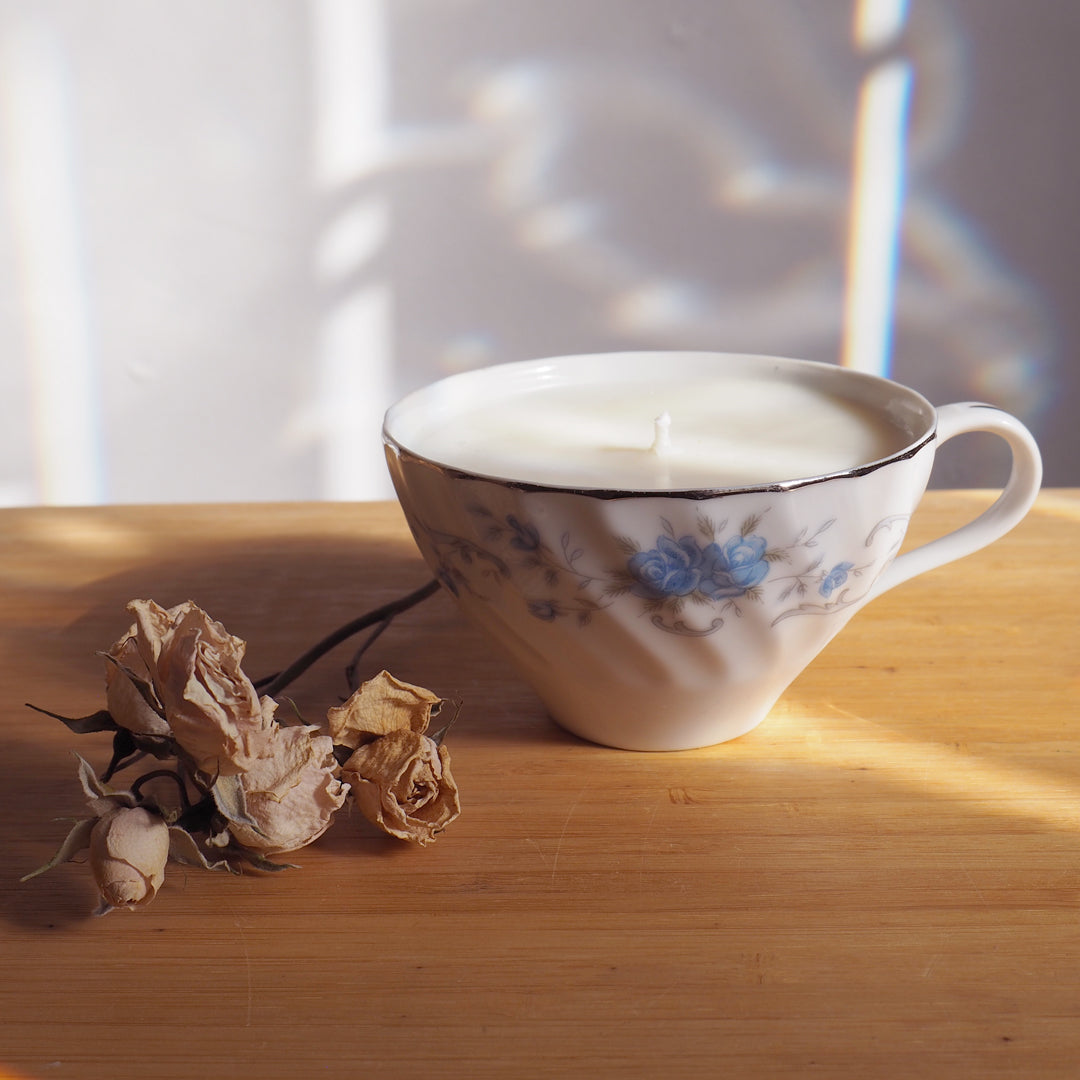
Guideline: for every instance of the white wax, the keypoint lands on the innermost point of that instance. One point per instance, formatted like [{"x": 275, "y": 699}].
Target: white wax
[{"x": 716, "y": 433}]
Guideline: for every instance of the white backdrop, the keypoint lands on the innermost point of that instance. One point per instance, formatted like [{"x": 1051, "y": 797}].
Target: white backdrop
[{"x": 231, "y": 233}]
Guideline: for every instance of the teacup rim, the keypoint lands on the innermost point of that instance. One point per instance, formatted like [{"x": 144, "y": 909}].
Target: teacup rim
[{"x": 695, "y": 493}]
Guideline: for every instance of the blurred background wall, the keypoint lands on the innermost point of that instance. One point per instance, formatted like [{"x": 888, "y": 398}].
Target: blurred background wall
[{"x": 232, "y": 232}]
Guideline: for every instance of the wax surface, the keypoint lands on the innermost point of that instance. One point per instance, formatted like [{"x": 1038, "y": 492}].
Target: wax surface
[{"x": 731, "y": 432}]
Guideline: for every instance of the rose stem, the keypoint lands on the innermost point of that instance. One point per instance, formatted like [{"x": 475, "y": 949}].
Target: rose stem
[
  {"x": 276, "y": 683},
  {"x": 136, "y": 788},
  {"x": 350, "y": 671},
  {"x": 121, "y": 760}
]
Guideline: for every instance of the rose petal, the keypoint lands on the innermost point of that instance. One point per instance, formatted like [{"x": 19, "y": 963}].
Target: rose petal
[
  {"x": 125, "y": 703},
  {"x": 381, "y": 705}
]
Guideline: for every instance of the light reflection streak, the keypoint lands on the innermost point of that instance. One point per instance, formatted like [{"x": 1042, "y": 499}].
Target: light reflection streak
[
  {"x": 878, "y": 23},
  {"x": 877, "y": 192},
  {"x": 354, "y": 383},
  {"x": 354, "y": 392},
  {"x": 349, "y": 69},
  {"x": 36, "y": 137},
  {"x": 962, "y": 775},
  {"x": 67, "y": 549}
]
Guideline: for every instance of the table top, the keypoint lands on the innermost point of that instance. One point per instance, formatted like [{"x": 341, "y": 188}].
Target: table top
[{"x": 882, "y": 880}]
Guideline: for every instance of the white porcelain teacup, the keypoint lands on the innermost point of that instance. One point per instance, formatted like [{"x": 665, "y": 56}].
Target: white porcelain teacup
[{"x": 661, "y": 542}]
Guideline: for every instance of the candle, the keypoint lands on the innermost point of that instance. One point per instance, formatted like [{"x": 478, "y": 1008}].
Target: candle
[
  {"x": 715, "y": 430},
  {"x": 674, "y": 619}
]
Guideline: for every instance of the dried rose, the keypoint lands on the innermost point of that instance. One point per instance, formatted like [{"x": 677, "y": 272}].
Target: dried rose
[
  {"x": 129, "y": 847},
  {"x": 290, "y": 790},
  {"x": 127, "y": 706},
  {"x": 402, "y": 782},
  {"x": 382, "y": 704},
  {"x": 209, "y": 703}
]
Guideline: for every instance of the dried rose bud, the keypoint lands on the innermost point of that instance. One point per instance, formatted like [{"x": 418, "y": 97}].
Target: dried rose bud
[
  {"x": 402, "y": 782},
  {"x": 129, "y": 847},
  {"x": 291, "y": 790}
]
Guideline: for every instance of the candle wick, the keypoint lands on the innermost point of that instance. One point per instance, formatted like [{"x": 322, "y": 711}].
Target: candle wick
[{"x": 662, "y": 435}]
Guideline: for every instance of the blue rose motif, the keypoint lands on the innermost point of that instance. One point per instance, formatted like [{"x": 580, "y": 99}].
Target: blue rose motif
[
  {"x": 734, "y": 567},
  {"x": 544, "y": 609},
  {"x": 526, "y": 537},
  {"x": 836, "y": 577},
  {"x": 672, "y": 568},
  {"x": 681, "y": 567}
]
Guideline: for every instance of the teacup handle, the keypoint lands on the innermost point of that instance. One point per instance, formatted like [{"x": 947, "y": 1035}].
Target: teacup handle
[{"x": 1012, "y": 504}]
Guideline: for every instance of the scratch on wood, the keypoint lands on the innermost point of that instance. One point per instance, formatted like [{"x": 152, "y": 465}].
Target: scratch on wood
[
  {"x": 247, "y": 966},
  {"x": 566, "y": 825},
  {"x": 645, "y": 834},
  {"x": 539, "y": 849},
  {"x": 849, "y": 715},
  {"x": 975, "y": 888}
]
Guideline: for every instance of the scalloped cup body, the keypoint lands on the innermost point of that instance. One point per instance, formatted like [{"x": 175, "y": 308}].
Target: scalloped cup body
[{"x": 653, "y": 620}]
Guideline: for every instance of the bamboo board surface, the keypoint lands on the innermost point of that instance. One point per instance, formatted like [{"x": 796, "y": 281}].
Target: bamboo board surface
[{"x": 883, "y": 880}]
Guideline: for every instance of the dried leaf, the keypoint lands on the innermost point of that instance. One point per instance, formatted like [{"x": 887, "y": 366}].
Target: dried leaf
[
  {"x": 261, "y": 862},
  {"x": 183, "y": 848},
  {"x": 82, "y": 725},
  {"x": 101, "y": 797},
  {"x": 228, "y": 793},
  {"x": 78, "y": 839},
  {"x": 438, "y": 736}
]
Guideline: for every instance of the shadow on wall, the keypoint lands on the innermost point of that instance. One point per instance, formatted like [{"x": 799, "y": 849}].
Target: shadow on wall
[
  {"x": 690, "y": 187},
  {"x": 225, "y": 257}
]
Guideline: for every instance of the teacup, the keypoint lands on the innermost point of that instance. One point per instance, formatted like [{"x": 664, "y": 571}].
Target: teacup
[{"x": 661, "y": 542}]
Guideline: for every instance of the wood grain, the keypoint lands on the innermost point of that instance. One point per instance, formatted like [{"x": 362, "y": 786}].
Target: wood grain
[{"x": 883, "y": 880}]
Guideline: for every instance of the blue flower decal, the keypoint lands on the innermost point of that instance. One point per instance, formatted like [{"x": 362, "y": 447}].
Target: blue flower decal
[
  {"x": 836, "y": 577},
  {"x": 683, "y": 584},
  {"x": 526, "y": 537},
  {"x": 544, "y": 609},
  {"x": 672, "y": 568},
  {"x": 681, "y": 567},
  {"x": 734, "y": 567}
]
